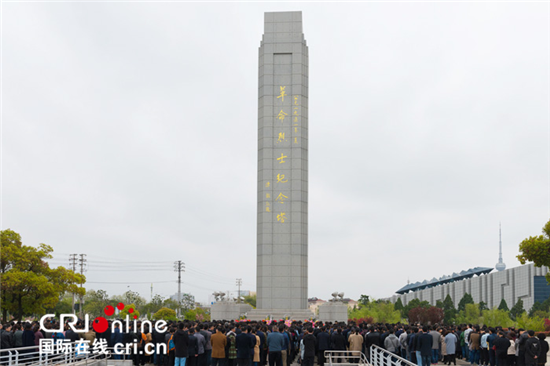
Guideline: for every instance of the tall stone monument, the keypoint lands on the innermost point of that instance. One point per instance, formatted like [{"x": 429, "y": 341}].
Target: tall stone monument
[{"x": 282, "y": 233}]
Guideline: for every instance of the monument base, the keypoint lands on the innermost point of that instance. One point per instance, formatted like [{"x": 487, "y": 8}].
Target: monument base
[
  {"x": 228, "y": 310},
  {"x": 278, "y": 314},
  {"x": 333, "y": 312}
]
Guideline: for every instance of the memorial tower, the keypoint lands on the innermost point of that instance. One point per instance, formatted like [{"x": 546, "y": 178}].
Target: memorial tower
[{"x": 282, "y": 231}]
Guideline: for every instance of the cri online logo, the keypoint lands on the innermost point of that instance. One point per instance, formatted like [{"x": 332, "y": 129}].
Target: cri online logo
[{"x": 100, "y": 324}]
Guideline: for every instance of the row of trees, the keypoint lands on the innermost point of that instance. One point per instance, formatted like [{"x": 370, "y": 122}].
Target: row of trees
[
  {"x": 158, "y": 308},
  {"x": 444, "y": 312}
]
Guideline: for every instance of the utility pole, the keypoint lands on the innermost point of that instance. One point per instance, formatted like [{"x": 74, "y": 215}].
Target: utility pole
[
  {"x": 82, "y": 261},
  {"x": 72, "y": 262},
  {"x": 239, "y": 283},
  {"x": 151, "y": 291},
  {"x": 179, "y": 267}
]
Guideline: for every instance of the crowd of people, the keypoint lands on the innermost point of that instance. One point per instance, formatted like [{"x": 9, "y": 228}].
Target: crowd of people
[{"x": 248, "y": 343}]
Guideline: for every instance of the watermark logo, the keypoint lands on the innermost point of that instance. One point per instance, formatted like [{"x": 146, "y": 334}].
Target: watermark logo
[{"x": 99, "y": 324}]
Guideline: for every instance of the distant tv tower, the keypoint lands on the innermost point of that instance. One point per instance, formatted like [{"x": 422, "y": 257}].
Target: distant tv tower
[{"x": 500, "y": 265}]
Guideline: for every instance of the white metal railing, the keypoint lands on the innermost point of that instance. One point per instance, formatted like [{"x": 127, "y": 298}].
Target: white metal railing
[
  {"x": 381, "y": 357},
  {"x": 32, "y": 356},
  {"x": 346, "y": 358}
]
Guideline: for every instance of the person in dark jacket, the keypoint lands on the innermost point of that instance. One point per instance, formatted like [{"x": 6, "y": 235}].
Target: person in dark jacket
[
  {"x": 323, "y": 344},
  {"x": 158, "y": 338},
  {"x": 181, "y": 341},
  {"x": 193, "y": 350},
  {"x": 522, "y": 339},
  {"x": 532, "y": 349},
  {"x": 412, "y": 344},
  {"x": 72, "y": 335},
  {"x": 28, "y": 338},
  {"x": 424, "y": 345},
  {"x": 338, "y": 343},
  {"x": 501, "y": 349},
  {"x": 6, "y": 337},
  {"x": 170, "y": 356},
  {"x": 373, "y": 338},
  {"x": 541, "y": 360},
  {"x": 245, "y": 345},
  {"x": 309, "y": 347}
]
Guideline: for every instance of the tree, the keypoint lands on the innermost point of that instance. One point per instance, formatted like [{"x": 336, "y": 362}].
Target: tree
[
  {"x": 470, "y": 315},
  {"x": 126, "y": 311},
  {"x": 496, "y": 317},
  {"x": 154, "y": 305},
  {"x": 537, "y": 308},
  {"x": 517, "y": 310},
  {"x": 250, "y": 300},
  {"x": 503, "y": 305},
  {"x": 414, "y": 303},
  {"x": 449, "y": 310},
  {"x": 466, "y": 299},
  {"x": 165, "y": 314},
  {"x": 422, "y": 315},
  {"x": 197, "y": 314},
  {"x": 95, "y": 302},
  {"x": 187, "y": 302},
  {"x": 536, "y": 249},
  {"x": 533, "y": 323},
  {"x": 482, "y": 306},
  {"x": 64, "y": 306},
  {"x": 383, "y": 312},
  {"x": 363, "y": 300},
  {"x": 28, "y": 284},
  {"x": 169, "y": 303},
  {"x": 398, "y": 305}
]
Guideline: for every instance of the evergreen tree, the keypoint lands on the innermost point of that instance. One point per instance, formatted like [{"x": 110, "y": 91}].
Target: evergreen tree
[
  {"x": 537, "y": 306},
  {"x": 466, "y": 299},
  {"x": 483, "y": 306},
  {"x": 517, "y": 310},
  {"x": 503, "y": 305},
  {"x": 449, "y": 310},
  {"x": 398, "y": 305}
]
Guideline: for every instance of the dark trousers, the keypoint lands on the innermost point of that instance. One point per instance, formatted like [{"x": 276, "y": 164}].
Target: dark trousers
[
  {"x": 243, "y": 361},
  {"x": 201, "y": 360},
  {"x": 170, "y": 358},
  {"x": 492, "y": 357},
  {"x": 275, "y": 358},
  {"x": 450, "y": 358},
  {"x": 308, "y": 360},
  {"x": 502, "y": 360},
  {"x": 511, "y": 360},
  {"x": 263, "y": 357},
  {"x": 483, "y": 356},
  {"x": 520, "y": 361},
  {"x": 426, "y": 360},
  {"x": 218, "y": 361},
  {"x": 208, "y": 357},
  {"x": 191, "y": 360}
]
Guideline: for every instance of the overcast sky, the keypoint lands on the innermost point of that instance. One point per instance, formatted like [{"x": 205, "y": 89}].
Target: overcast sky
[{"x": 130, "y": 135}]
